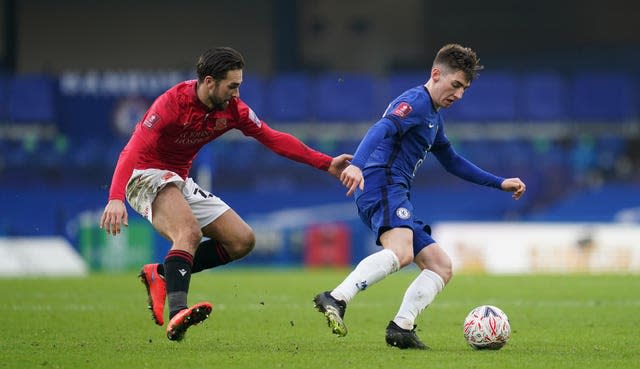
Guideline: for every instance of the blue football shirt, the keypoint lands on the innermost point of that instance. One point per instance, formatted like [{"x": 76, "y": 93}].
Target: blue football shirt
[{"x": 394, "y": 148}]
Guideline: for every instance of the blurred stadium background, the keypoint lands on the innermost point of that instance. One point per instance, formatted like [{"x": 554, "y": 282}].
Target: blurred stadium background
[{"x": 557, "y": 105}]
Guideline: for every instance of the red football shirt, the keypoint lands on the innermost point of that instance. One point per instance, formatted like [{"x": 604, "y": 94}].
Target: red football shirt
[{"x": 178, "y": 124}]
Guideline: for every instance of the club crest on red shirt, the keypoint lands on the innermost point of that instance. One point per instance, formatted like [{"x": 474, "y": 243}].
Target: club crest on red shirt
[
  {"x": 402, "y": 110},
  {"x": 151, "y": 120},
  {"x": 221, "y": 123}
]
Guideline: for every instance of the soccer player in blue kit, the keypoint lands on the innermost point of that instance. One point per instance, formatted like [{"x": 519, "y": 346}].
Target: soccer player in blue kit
[{"x": 381, "y": 174}]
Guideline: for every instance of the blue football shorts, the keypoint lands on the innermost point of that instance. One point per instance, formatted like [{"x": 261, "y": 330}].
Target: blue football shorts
[{"x": 389, "y": 207}]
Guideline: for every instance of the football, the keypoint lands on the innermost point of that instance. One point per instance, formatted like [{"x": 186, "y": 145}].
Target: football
[{"x": 487, "y": 328}]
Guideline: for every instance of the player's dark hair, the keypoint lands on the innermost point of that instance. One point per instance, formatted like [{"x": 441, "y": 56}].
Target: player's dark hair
[
  {"x": 458, "y": 57},
  {"x": 217, "y": 62}
]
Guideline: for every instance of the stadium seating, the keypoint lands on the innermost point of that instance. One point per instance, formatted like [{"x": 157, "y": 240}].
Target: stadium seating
[
  {"x": 288, "y": 98},
  {"x": 398, "y": 83},
  {"x": 340, "y": 97},
  {"x": 86, "y": 116},
  {"x": 544, "y": 97},
  {"x": 493, "y": 96},
  {"x": 253, "y": 93},
  {"x": 4, "y": 98},
  {"x": 82, "y": 153},
  {"x": 601, "y": 204},
  {"x": 31, "y": 98},
  {"x": 603, "y": 97}
]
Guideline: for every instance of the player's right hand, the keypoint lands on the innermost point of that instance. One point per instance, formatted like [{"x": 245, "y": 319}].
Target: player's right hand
[
  {"x": 351, "y": 178},
  {"x": 514, "y": 185},
  {"x": 115, "y": 214}
]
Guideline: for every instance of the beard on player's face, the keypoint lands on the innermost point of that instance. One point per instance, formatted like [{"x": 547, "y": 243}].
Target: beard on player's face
[{"x": 218, "y": 102}]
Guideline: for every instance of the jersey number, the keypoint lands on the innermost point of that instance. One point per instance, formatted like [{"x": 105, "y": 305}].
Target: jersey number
[{"x": 201, "y": 193}]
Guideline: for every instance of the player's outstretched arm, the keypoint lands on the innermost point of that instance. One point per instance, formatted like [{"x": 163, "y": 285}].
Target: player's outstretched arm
[
  {"x": 115, "y": 214},
  {"x": 338, "y": 164},
  {"x": 514, "y": 185}
]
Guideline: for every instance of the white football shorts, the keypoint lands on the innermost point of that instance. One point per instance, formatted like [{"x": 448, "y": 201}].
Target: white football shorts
[{"x": 144, "y": 185}]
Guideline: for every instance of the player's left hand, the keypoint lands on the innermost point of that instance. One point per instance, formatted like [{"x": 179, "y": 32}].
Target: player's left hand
[
  {"x": 514, "y": 185},
  {"x": 338, "y": 164}
]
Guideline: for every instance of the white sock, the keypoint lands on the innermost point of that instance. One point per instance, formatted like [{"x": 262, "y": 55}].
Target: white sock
[
  {"x": 419, "y": 295},
  {"x": 369, "y": 271}
]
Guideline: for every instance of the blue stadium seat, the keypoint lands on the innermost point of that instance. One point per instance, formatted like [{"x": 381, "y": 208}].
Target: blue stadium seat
[
  {"x": 612, "y": 144},
  {"x": 252, "y": 92},
  {"x": 602, "y": 96},
  {"x": 581, "y": 207},
  {"x": 288, "y": 98},
  {"x": 13, "y": 155},
  {"x": 400, "y": 82},
  {"x": 112, "y": 150},
  {"x": 87, "y": 116},
  {"x": 340, "y": 97},
  {"x": 491, "y": 97},
  {"x": 89, "y": 152},
  {"x": 4, "y": 97},
  {"x": 544, "y": 97},
  {"x": 609, "y": 151},
  {"x": 482, "y": 153},
  {"x": 32, "y": 98}
]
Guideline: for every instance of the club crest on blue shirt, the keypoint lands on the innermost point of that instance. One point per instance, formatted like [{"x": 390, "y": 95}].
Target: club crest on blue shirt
[{"x": 403, "y": 213}]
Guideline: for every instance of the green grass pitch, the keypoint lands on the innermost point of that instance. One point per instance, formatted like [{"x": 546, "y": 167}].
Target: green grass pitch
[{"x": 264, "y": 318}]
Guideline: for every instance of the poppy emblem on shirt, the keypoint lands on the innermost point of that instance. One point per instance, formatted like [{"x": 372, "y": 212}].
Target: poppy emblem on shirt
[
  {"x": 151, "y": 120},
  {"x": 403, "y": 213},
  {"x": 402, "y": 110},
  {"x": 221, "y": 123}
]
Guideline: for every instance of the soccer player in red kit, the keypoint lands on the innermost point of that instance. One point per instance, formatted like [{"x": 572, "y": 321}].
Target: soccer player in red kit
[{"x": 153, "y": 173}]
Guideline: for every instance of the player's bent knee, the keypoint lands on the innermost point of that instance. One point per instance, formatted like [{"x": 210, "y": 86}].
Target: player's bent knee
[
  {"x": 405, "y": 258},
  {"x": 249, "y": 242},
  {"x": 436, "y": 260},
  {"x": 446, "y": 277},
  {"x": 445, "y": 270},
  {"x": 242, "y": 245}
]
